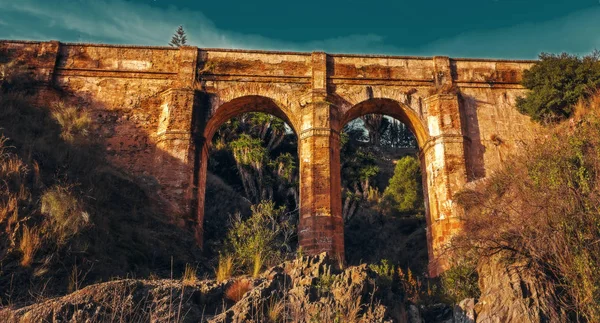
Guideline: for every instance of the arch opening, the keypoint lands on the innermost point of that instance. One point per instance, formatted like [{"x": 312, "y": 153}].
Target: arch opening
[
  {"x": 246, "y": 104},
  {"x": 383, "y": 189},
  {"x": 390, "y": 108},
  {"x": 251, "y": 183}
]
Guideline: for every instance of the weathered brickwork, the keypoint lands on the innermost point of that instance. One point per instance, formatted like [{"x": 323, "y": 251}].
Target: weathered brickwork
[{"x": 157, "y": 108}]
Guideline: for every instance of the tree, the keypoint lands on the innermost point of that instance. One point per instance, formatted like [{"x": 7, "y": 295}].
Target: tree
[
  {"x": 557, "y": 83},
  {"x": 359, "y": 168},
  {"x": 404, "y": 190},
  {"x": 179, "y": 38},
  {"x": 262, "y": 149},
  {"x": 397, "y": 135},
  {"x": 250, "y": 157},
  {"x": 375, "y": 125}
]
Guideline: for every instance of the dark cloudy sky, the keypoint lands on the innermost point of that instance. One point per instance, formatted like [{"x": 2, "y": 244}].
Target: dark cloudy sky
[{"x": 458, "y": 28}]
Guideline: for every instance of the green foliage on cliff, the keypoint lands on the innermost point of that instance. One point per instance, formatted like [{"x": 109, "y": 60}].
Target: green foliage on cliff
[
  {"x": 460, "y": 282},
  {"x": 540, "y": 215},
  {"x": 557, "y": 83}
]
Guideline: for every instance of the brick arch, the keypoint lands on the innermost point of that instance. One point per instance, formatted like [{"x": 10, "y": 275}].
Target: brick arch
[
  {"x": 218, "y": 115},
  {"x": 441, "y": 154},
  {"x": 245, "y": 104},
  {"x": 411, "y": 119},
  {"x": 391, "y": 108}
]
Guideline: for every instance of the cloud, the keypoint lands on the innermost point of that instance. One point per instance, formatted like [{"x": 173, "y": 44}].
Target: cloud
[
  {"x": 124, "y": 22},
  {"x": 119, "y": 21},
  {"x": 577, "y": 33}
]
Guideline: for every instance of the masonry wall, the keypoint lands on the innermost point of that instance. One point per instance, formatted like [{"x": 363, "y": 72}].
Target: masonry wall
[{"x": 155, "y": 110}]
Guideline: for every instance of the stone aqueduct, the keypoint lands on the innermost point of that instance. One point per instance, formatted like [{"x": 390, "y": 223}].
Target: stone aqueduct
[{"x": 156, "y": 109}]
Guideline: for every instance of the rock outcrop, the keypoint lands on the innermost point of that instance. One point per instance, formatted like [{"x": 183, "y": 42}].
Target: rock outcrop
[
  {"x": 308, "y": 289},
  {"x": 508, "y": 295}
]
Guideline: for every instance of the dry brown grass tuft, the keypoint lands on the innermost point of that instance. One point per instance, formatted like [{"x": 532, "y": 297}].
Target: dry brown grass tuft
[
  {"x": 275, "y": 310},
  {"x": 411, "y": 285},
  {"x": 29, "y": 244},
  {"x": 66, "y": 216},
  {"x": 75, "y": 123},
  {"x": 189, "y": 276},
  {"x": 8, "y": 207},
  {"x": 238, "y": 289}
]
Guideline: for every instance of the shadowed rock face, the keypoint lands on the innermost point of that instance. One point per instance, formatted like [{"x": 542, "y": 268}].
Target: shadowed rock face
[
  {"x": 157, "y": 108},
  {"x": 509, "y": 294}
]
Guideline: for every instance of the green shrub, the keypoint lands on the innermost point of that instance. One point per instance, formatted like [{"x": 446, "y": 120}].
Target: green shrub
[
  {"x": 325, "y": 282},
  {"x": 557, "y": 83},
  {"x": 460, "y": 282},
  {"x": 404, "y": 192},
  {"x": 385, "y": 272},
  {"x": 263, "y": 238}
]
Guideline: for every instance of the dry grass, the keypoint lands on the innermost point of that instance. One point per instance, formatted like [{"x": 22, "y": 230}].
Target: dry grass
[
  {"x": 590, "y": 106},
  {"x": 13, "y": 172},
  {"x": 541, "y": 210},
  {"x": 275, "y": 310},
  {"x": 350, "y": 310},
  {"x": 257, "y": 265},
  {"x": 10, "y": 165},
  {"x": 8, "y": 208},
  {"x": 189, "y": 276},
  {"x": 412, "y": 286},
  {"x": 75, "y": 123},
  {"x": 29, "y": 244},
  {"x": 238, "y": 289},
  {"x": 66, "y": 216},
  {"x": 225, "y": 268}
]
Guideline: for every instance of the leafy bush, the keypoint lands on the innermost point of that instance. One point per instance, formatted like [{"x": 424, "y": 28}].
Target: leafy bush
[
  {"x": 404, "y": 192},
  {"x": 557, "y": 83},
  {"x": 385, "y": 273},
  {"x": 325, "y": 282},
  {"x": 460, "y": 281},
  {"x": 263, "y": 238}
]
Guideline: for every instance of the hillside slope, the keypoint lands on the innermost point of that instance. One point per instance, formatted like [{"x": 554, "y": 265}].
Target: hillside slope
[{"x": 308, "y": 289}]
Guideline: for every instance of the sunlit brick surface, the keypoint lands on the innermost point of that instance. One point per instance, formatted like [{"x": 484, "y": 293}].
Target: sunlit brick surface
[{"x": 156, "y": 109}]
